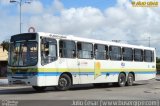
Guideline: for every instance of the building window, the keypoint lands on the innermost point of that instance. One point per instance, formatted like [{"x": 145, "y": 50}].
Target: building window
[
  {"x": 101, "y": 52},
  {"x": 138, "y": 55},
  {"x": 127, "y": 54},
  {"x": 115, "y": 53},
  {"x": 67, "y": 49},
  {"x": 85, "y": 50}
]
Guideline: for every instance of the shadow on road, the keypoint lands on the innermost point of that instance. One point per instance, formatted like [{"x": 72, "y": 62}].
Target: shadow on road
[
  {"x": 100, "y": 86},
  {"x": 29, "y": 90}
]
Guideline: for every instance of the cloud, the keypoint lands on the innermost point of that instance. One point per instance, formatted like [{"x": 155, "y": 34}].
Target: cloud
[
  {"x": 57, "y": 4},
  {"x": 4, "y": 2},
  {"x": 34, "y": 7},
  {"x": 80, "y": 21},
  {"x": 119, "y": 22}
]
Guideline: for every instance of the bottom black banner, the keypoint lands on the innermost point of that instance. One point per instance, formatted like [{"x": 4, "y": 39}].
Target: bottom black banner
[{"x": 79, "y": 102}]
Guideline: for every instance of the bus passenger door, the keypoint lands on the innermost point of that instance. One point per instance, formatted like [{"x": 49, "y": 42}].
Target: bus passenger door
[
  {"x": 85, "y": 62},
  {"x": 70, "y": 66},
  {"x": 73, "y": 69},
  {"x": 86, "y": 70},
  {"x": 68, "y": 60},
  {"x": 49, "y": 60}
]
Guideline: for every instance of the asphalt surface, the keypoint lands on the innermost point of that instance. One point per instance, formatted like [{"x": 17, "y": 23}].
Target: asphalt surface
[{"x": 141, "y": 90}]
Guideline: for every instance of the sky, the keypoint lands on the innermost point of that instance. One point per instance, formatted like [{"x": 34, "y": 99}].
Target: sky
[{"x": 97, "y": 19}]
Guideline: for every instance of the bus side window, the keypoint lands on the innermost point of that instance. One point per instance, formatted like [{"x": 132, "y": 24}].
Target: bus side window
[
  {"x": 101, "y": 52},
  {"x": 138, "y": 55},
  {"x": 127, "y": 54},
  {"x": 153, "y": 56},
  {"x": 148, "y": 55},
  {"x": 67, "y": 49},
  {"x": 84, "y": 50},
  {"x": 60, "y": 50},
  {"x": 115, "y": 53},
  {"x": 78, "y": 49}
]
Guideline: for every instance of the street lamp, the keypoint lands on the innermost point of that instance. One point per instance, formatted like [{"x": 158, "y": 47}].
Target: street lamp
[{"x": 20, "y": 5}]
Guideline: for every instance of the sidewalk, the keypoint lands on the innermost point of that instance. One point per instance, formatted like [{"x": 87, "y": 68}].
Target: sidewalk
[{"x": 4, "y": 81}]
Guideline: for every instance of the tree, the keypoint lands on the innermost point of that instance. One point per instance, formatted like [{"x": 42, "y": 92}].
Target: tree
[
  {"x": 157, "y": 60},
  {"x": 158, "y": 65},
  {"x": 5, "y": 45}
]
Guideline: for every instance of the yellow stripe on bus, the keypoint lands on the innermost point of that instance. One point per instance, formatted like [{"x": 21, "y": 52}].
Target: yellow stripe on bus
[{"x": 81, "y": 70}]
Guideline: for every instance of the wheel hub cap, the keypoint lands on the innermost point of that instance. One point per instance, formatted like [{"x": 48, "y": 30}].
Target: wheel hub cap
[{"x": 63, "y": 82}]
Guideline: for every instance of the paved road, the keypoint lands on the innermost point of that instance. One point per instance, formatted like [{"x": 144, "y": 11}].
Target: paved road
[{"x": 141, "y": 90}]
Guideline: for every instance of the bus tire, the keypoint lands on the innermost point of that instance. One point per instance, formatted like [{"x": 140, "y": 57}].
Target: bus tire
[
  {"x": 121, "y": 80},
  {"x": 37, "y": 88},
  {"x": 64, "y": 82},
  {"x": 130, "y": 79}
]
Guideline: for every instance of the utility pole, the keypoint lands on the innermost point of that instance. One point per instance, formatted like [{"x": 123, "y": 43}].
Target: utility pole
[{"x": 20, "y": 11}]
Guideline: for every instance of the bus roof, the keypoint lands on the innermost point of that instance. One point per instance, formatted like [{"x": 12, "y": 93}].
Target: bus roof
[{"x": 72, "y": 37}]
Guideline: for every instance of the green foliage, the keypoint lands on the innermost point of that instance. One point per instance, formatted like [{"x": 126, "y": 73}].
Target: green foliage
[
  {"x": 158, "y": 66},
  {"x": 157, "y": 60},
  {"x": 5, "y": 45}
]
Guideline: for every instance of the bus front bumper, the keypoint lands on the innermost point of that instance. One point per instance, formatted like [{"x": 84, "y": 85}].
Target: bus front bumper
[{"x": 33, "y": 81}]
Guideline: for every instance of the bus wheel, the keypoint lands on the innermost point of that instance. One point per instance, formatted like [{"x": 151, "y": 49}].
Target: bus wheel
[
  {"x": 64, "y": 82},
  {"x": 121, "y": 80},
  {"x": 130, "y": 79},
  {"x": 37, "y": 88}
]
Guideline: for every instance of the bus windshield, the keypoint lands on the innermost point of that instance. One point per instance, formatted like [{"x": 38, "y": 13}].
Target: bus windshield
[{"x": 23, "y": 53}]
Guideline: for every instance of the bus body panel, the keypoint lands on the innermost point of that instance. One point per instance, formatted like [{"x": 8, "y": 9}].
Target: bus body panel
[{"x": 85, "y": 71}]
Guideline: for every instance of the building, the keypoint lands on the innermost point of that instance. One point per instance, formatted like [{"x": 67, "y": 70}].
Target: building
[{"x": 3, "y": 62}]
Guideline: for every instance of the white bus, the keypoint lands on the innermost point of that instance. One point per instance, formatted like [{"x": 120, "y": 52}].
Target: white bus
[{"x": 45, "y": 59}]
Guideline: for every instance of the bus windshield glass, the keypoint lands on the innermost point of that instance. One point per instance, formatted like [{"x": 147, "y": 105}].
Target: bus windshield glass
[{"x": 23, "y": 53}]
